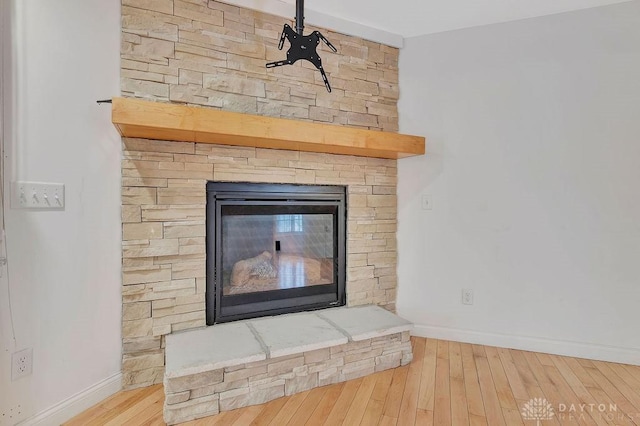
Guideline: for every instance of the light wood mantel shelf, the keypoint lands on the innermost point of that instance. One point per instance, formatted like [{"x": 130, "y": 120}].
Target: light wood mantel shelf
[{"x": 164, "y": 121}]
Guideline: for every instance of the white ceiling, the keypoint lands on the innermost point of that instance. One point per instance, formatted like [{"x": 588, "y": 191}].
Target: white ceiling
[{"x": 410, "y": 18}]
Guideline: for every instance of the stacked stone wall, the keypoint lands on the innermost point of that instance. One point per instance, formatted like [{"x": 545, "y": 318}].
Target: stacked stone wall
[
  {"x": 213, "y": 54},
  {"x": 163, "y": 232}
]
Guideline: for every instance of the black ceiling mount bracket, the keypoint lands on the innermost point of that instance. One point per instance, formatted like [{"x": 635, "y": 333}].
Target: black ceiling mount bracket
[{"x": 302, "y": 47}]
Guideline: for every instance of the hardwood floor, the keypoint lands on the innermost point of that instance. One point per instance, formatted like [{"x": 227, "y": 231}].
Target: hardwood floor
[{"x": 447, "y": 383}]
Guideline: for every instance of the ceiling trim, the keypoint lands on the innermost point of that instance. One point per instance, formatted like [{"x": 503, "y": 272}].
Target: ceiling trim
[{"x": 319, "y": 19}]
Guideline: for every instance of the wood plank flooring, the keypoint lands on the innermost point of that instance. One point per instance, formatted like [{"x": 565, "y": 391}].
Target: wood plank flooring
[{"x": 448, "y": 383}]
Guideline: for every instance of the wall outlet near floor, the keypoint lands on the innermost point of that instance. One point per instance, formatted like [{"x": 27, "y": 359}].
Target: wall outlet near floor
[
  {"x": 11, "y": 415},
  {"x": 21, "y": 363},
  {"x": 467, "y": 296}
]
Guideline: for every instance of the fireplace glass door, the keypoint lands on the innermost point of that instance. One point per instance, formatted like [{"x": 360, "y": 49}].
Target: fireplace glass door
[{"x": 274, "y": 249}]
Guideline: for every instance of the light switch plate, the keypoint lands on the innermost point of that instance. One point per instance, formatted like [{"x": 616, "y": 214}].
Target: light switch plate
[{"x": 37, "y": 195}]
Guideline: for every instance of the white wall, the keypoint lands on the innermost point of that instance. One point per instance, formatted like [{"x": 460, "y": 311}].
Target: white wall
[
  {"x": 533, "y": 167},
  {"x": 64, "y": 265}
]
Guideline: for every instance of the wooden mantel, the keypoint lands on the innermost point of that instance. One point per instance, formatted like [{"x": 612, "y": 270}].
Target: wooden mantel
[{"x": 164, "y": 121}]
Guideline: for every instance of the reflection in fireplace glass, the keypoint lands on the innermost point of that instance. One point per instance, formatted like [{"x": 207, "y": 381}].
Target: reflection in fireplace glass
[{"x": 272, "y": 252}]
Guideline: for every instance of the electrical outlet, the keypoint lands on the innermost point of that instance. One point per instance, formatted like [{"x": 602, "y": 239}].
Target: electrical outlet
[
  {"x": 37, "y": 195},
  {"x": 467, "y": 296},
  {"x": 21, "y": 363},
  {"x": 11, "y": 415},
  {"x": 427, "y": 204}
]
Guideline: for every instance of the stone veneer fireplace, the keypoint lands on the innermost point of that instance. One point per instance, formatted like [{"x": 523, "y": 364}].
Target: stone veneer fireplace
[
  {"x": 163, "y": 216},
  {"x": 203, "y": 52}
]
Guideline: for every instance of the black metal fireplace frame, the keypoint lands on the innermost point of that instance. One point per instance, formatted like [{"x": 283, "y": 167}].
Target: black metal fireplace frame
[{"x": 251, "y": 305}]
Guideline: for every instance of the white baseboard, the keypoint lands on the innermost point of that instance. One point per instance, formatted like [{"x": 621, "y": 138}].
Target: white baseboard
[
  {"x": 557, "y": 347},
  {"x": 77, "y": 403}
]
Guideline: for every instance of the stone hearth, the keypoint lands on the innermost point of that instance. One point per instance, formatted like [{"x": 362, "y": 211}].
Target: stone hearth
[{"x": 250, "y": 362}]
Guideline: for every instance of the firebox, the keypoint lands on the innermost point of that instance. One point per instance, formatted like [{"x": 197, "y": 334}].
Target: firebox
[{"x": 273, "y": 249}]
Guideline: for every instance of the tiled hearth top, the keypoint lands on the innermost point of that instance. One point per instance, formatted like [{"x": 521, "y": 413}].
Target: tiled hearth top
[
  {"x": 285, "y": 335},
  {"x": 232, "y": 344}
]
